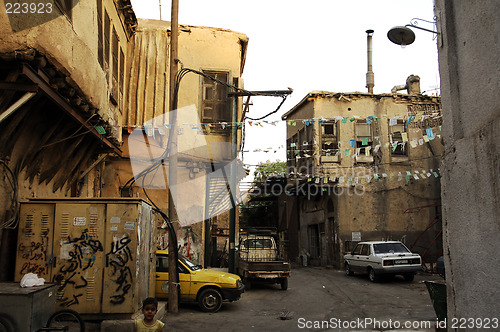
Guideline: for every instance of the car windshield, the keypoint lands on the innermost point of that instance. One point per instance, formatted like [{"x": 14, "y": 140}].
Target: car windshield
[
  {"x": 192, "y": 266},
  {"x": 386, "y": 248}
]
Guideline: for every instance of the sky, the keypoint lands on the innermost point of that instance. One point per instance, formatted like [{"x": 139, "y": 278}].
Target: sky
[{"x": 311, "y": 45}]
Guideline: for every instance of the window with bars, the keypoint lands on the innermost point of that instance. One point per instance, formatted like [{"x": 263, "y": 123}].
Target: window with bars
[
  {"x": 216, "y": 104},
  {"x": 65, "y": 6}
]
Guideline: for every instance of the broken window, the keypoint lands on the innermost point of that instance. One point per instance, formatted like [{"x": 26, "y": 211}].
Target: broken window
[
  {"x": 216, "y": 105},
  {"x": 398, "y": 147},
  {"x": 65, "y": 7},
  {"x": 329, "y": 139},
  {"x": 364, "y": 141}
]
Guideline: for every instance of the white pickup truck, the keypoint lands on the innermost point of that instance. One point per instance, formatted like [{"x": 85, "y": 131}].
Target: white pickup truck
[{"x": 259, "y": 259}]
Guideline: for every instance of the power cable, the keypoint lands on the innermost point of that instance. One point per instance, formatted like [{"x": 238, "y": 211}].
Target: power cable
[
  {"x": 276, "y": 110},
  {"x": 13, "y": 221},
  {"x": 180, "y": 75}
]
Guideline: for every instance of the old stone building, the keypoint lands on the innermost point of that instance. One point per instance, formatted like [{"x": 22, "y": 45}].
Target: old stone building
[
  {"x": 363, "y": 166},
  {"x": 61, "y": 103},
  {"x": 83, "y": 111},
  {"x": 211, "y": 59}
]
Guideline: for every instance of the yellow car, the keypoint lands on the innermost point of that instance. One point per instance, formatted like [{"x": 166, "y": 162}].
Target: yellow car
[{"x": 207, "y": 287}]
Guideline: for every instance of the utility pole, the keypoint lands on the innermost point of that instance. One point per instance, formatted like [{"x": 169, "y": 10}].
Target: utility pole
[
  {"x": 173, "y": 280},
  {"x": 234, "y": 152},
  {"x": 232, "y": 212}
]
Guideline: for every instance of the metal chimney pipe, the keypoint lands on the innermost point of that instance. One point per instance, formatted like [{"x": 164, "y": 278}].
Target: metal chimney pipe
[{"x": 370, "y": 77}]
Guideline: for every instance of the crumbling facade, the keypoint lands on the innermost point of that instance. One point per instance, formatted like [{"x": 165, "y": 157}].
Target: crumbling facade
[
  {"x": 61, "y": 101},
  {"x": 74, "y": 91},
  {"x": 363, "y": 167},
  {"x": 205, "y": 124}
]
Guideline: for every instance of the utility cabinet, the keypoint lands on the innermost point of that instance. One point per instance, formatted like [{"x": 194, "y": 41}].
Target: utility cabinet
[{"x": 98, "y": 251}]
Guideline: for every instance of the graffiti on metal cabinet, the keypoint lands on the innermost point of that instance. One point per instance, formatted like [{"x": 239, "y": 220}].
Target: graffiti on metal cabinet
[
  {"x": 118, "y": 259},
  {"x": 35, "y": 255},
  {"x": 77, "y": 255}
]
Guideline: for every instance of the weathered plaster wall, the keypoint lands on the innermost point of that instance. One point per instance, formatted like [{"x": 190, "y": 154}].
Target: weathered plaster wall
[
  {"x": 469, "y": 69},
  {"x": 72, "y": 45},
  {"x": 200, "y": 48},
  {"x": 374, "y": 207},
  {"x": 147, "y": 87}
]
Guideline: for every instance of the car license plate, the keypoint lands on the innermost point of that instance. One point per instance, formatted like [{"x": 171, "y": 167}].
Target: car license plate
[{"x": 401, "y": 261}]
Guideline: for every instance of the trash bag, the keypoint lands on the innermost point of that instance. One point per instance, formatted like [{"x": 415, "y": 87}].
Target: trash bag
[{"x": 31, "y": 279}]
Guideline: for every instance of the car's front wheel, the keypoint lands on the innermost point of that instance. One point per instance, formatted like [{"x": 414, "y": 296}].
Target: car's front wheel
[
  {"x": 210, "y": 300},
  {"x": 348, "y": 270},
  {"x": 372, "y": 275}
]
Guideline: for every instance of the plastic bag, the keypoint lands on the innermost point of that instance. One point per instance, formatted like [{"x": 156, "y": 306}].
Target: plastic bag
[{"x": 31, "y": 279}]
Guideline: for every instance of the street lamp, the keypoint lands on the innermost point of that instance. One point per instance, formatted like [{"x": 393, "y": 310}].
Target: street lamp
[{"x": 403, "y": 35}]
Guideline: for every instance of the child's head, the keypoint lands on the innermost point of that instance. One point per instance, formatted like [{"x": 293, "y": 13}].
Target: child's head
[
  {"x": 149, "y": 308},
  {"x": 150, "y": 300}
]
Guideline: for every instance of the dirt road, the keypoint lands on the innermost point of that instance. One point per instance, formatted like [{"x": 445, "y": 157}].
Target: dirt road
[{"x": 318, "y": 299}]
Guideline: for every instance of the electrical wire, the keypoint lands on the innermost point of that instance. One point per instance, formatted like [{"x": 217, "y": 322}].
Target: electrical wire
[
  {"x": 74, "y": 134},
  {"x": 13, "y": 221},
  {"x": 179, "y": 76},
  {"x": 270, "y": 113}
]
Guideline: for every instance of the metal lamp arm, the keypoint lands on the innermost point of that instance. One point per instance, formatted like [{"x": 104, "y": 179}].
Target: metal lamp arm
[{"x": 417, "y": 27}]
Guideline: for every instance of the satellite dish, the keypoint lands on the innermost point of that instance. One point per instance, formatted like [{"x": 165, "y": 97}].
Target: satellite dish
[{"x": 401, "y": 35}]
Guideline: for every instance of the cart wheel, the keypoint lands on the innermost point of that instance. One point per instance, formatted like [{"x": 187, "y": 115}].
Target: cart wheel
[
  {"x": 67, "y": 318},
  {"x": 6, "y": 325}
]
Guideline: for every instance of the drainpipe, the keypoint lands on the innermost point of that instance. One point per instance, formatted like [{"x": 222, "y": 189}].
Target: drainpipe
[{"x": 370, "y": 77}]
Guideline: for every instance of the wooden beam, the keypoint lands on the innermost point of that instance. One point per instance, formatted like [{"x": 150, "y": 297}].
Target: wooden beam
[
  {"x": 14, "y": 107},
  {"x": 18, "y": 86},
  {"x": 60, "y": 101},
  {"x": 94, "y": 164}
]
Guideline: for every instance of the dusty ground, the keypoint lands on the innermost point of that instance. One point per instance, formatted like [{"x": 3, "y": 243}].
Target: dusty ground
[{"x": 317, "y": 298}]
